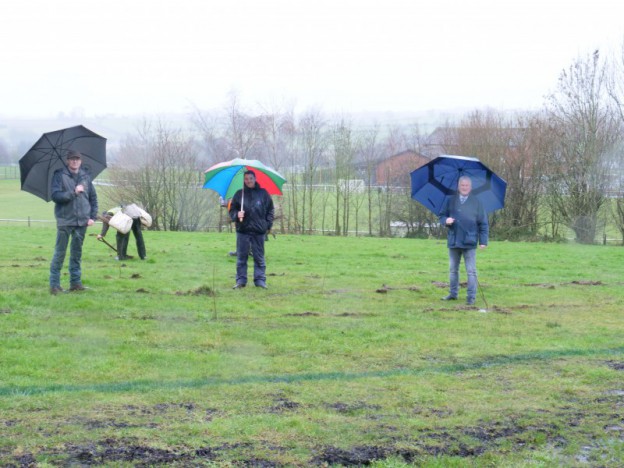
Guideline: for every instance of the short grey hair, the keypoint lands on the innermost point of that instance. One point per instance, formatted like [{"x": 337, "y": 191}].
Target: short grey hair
[{"x": 464, "y": 177}]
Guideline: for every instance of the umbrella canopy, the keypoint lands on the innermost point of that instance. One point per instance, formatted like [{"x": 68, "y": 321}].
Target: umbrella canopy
[
  {"x": 37, "y": 166},
  {"x": 227, "y": 177},
  {"x": 437, "y": 180}
]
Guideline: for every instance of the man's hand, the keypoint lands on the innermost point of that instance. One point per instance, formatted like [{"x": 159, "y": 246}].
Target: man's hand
[
  {"x": 450, "y": 221},
  {"x": 241, "y": 215},
  {"x": 99, "y": 237},
  {"x": 90, "y": 222},
  {"x": 79, "y": 189}
]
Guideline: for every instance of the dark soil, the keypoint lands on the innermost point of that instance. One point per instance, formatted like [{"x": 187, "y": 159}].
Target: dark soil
[
  {"x": 511, "y": 432},
  {"x": 201, "y": 291}
]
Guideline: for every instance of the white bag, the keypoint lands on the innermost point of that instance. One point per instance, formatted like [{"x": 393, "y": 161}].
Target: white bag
[
  {"x": 121, "y": 221},
  {"x": 146, "y": 219},
  {"x": 132, "y": 210}
]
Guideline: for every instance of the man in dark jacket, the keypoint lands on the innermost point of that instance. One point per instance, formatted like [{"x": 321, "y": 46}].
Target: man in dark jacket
[
  {"x": 467, "y": 224},
  {"x": 252, "y": 211},
  {"x": 75, "y": 208}
]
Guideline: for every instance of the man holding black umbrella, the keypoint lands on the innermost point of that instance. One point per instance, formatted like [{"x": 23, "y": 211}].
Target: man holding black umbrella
[
  {"x": 467, "y": 223},
  {"x": 76, "y": 207}
]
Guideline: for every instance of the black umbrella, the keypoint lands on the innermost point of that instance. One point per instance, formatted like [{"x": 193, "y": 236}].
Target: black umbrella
[{"x": 47, "y": 155}]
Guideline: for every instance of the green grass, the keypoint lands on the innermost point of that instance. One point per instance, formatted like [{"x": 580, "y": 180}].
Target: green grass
[
  {"x": 18, "y": 205},
  {"x": 147, "y": 367}
]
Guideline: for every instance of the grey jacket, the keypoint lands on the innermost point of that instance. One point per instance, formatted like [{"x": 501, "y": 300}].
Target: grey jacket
[{"x": 73, "y": 209}]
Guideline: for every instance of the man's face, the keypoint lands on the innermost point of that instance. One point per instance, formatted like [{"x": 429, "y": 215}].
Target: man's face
[
  {"x": 250, "y": 180},
  {"x": 74, "y": 164},
  {"x": 464, "y": 187}
]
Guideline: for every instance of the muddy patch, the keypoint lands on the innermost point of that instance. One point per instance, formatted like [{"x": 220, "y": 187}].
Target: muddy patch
[
  {"x": 385, "y": 288},
  {"x": 616, "y": 365},
  {"x": 112, "y": 450},
  {"x": 541, "y": 285},
  {"x": 349, "y": 408},
  {"x": 92, "y": 424},
  {"x": 575, "y": 282},
  {"x": 356, "y": 456},
  {"x": 352, "y": 314},
  {"x": 283, "y": 405},
  {"x": 304, "y": 314},
  {"x": 201, "y": 291},
  {"x": 470, "y": 308},
  {"x": 469, "y": 442}
]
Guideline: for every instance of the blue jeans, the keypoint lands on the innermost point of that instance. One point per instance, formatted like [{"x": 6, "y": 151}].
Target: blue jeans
[
  {"x": 63, "y": 235},
  {"x": 470, "y": 262},
  {"x": 255, "y": 242}
]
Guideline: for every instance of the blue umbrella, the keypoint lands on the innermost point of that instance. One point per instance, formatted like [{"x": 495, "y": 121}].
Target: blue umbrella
[{"x": 437, "y": 180}]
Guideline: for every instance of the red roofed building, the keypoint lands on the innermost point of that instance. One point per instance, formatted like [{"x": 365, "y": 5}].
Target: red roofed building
[{"x": 395, "y": 170}]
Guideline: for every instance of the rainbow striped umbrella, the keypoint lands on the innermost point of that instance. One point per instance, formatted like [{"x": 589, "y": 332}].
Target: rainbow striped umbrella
[{"x": 226, "y": 178}]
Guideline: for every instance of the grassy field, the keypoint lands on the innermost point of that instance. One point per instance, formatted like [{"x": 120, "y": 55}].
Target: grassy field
[
  {"x": 18, "y": 205},
  {"x": 349, "y": 358}
]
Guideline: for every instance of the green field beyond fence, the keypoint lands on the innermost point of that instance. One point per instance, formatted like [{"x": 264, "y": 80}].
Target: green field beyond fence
[{"x": 349, "y": 358}]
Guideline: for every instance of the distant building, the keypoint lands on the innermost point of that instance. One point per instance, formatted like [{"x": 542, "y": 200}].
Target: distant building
[
  {"x": 395, "y": 170},
  {"x": 442, "y": 140}
]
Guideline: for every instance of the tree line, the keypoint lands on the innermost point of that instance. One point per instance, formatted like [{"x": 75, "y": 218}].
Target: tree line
[{"x": 563, "y": 163}]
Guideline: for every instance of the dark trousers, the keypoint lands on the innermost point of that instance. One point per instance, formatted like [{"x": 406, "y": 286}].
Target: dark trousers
[
  {"x": 123, "y": 239},
  {"x": 255, "y": 242}
]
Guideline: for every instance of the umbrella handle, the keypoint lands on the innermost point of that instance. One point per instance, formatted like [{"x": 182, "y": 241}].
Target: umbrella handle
[{"x": 240, "y": 219}]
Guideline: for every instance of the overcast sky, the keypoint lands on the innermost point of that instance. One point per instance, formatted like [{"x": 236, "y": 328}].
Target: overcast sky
[{"x": 160, "y": 56}]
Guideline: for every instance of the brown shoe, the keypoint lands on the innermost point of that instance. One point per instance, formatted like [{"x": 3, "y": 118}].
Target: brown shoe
[
  {"x": 54, "y": 290},
  {"x": 77, "y": 287}
]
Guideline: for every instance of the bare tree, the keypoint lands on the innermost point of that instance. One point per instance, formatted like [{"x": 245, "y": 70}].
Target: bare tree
[
  {"x": 243, "y": 131},
  {"x": 312, "y": 145},
  {"x": 586, "y": 129},
  {"x": 343, "y": 155},
  {"x": 209, "y": 126},
  {"x": 277, "y": 137},
  {"x": 158, "y": 168},
  {"x": 616, "y": 93},
  {"x": 515, "y": 148},
  {"x": 370, "y": 151}
]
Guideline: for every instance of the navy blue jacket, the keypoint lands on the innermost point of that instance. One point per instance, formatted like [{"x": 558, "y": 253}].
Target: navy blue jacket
[
  {"x": 73, "y": 209},
  {"x": 470, "y": 228},
  {"x": 258, "y": 207}
]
